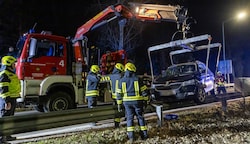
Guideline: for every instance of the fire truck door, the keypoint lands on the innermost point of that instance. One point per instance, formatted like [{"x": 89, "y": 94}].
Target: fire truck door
[{"x": 49, "y": 59}]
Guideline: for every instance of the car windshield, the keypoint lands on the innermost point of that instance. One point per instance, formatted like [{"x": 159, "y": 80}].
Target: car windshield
[
  {"x": 20, "y": 44},
  {"x": 180, "y": 70}
]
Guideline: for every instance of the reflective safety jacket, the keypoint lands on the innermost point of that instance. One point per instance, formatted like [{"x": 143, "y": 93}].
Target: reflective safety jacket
[
  {"x": 10, "y": 86},
  {"x": 92, "y": 82},
  {"x": 220, "y": 81},
  {"x": 130, "y": 89},
  {"x": 113, "y": 79}
]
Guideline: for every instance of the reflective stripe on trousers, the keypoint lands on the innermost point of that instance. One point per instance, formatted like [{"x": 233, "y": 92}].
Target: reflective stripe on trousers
[{"x": 134, "y": 108}]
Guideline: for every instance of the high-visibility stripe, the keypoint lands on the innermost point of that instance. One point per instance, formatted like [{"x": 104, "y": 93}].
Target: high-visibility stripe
[
  {"x": 115, "y": 90},
  {"x": 130, "y": 129},
  {"x": 131, "y": 98},
  {"x": 92, "y": 93},
  {"x": 136, "y": 86},
  {"x": 124, "y": 89},
  {"x": 142, "y": 128},
  {"x": 105, "y": 78},
  {"x": 119, "y": 102},
  {"x": 87, "y": 83},
  {"x": 114, "y": 96},
  {"x": 116, "y": 85},
  {"x": 4, "y": 95},
  {"x": 117, "y": 119},
  {"x": 143, "y": 88},
  {"x": 2, "y": 84},
  {"x": 119, "y": 90}
]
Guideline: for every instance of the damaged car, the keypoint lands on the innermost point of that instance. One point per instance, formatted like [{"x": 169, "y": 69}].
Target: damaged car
[
  {"x": 183, "y": 81},
  {"x": 186, "y": 69}
]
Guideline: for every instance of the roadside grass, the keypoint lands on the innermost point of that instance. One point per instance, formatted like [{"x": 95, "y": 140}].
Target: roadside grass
[{"x": 205, "y": 125}]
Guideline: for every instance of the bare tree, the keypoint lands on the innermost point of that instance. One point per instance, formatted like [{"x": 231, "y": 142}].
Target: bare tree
[
  {"x": 109, "y": 37},
  {"x": 8, "y": 23}
]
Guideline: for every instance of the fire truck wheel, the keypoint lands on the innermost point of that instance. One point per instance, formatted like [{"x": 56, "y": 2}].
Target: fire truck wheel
[
  {"x": 59, "y": 101},
  {"x": 201, "y": 96}
]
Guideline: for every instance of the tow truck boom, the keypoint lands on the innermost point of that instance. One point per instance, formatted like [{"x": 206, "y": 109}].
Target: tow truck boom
[{"x": 143, "y": 12}]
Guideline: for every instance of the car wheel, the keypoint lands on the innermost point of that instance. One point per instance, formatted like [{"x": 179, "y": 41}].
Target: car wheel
[
  {"x": 201, "y": 95},
  {"x": 59, "y": 101}
]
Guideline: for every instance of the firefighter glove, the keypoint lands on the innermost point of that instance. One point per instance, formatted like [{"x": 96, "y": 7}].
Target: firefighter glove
[
  {"x": 144, "y": 93},
  {"x": 8, "y": 106},
  {"x": 99, "y": 76},
  {"x": 146, "y": 103},
  {"x": 119, "y": 107}
]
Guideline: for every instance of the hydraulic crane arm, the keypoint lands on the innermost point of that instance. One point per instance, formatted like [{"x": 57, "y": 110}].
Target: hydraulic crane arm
[
  {"x": 142, "y": 12},
  {"x": 102, "y": 18},
  {"x": 155, "y": 13}
]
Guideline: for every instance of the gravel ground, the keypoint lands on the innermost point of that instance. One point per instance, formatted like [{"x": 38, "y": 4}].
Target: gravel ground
[{"x": 200, "y": 126}]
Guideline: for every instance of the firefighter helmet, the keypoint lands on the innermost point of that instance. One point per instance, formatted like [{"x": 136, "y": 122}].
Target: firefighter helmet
[
  {"x": 8, "y": 60},
  {"x": 130, "y": 67},
  {"x": 120, "y": 67},
  {"x": 219, "y": 73},
  {"x": 95, "y": 69}
]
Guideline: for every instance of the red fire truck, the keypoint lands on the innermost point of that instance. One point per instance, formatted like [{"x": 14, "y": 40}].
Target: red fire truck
[{"x": 52, "y": 68}]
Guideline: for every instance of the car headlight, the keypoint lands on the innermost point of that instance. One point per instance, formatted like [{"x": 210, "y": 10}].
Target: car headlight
[{"x": 189, "y": 82}]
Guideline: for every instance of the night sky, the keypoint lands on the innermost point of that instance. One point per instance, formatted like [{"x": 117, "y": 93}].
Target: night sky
[
  {"x": 64, "y": 17},
  {"x": 211, "y": 14}
]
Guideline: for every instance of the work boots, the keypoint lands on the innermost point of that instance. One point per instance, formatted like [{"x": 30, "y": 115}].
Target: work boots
[
  {"x": 5, "y": 139},
  {"x": 131, "y": 141},
  {"x": 117, "y": 124},
  {"x": 130, "y": 136},
  {"x": 10, "y": 138},
  {"x": 144, "y": 134}
]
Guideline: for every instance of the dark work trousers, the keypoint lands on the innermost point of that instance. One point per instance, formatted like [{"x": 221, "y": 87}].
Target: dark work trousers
[
  {"x": 7, "y": 112},
  {"x": 4, "y": 112},
  {"x": 118, "y": 115},
  {"x": 92, "y": 101},
  {"x": 133, "y": 108},
  {"x": 221, "y": 89}
]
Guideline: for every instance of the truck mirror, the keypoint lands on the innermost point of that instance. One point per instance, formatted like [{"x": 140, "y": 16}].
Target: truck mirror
[{"x": 32, "y": 48}]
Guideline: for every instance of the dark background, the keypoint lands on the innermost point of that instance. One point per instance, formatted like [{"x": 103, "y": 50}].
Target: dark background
[{"x": 64, "y": 17}]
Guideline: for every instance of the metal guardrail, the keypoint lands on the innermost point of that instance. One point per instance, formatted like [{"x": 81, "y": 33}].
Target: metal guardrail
[
  {"x": 228, "y": 95},
  {"x": 242, "y": 84},
  {"x": 40, "y": 121},
  {"x": 19, "y": 124}
]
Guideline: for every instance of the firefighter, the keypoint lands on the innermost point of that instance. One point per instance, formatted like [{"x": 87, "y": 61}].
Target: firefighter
[
  {"x": 220, "y": 83},
  {"x": 116, "y": 75},
  {"x": 9, "y": 90},
  {"x": 92, "y": 82},
  {"x": 133, "y": 95},
  {"x": 12, "y": 52}
]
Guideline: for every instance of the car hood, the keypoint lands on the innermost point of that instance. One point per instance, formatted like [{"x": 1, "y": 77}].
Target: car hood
[{"x": 176, "y": 78}]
